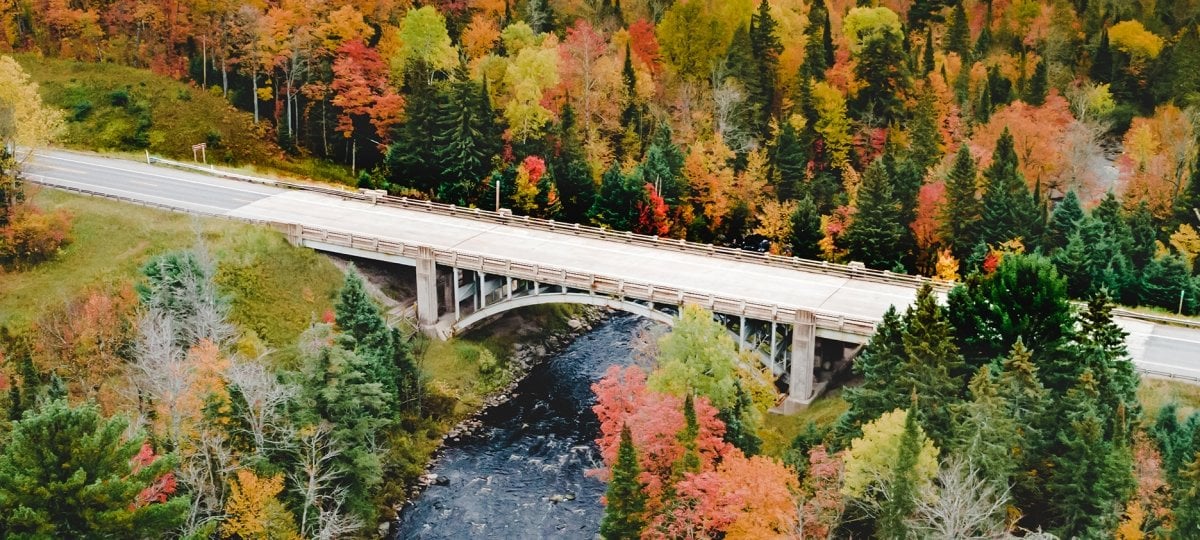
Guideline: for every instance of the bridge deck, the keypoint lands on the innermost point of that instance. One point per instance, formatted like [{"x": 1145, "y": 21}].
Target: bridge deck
[
  {"x": 1168, "y": 350},
  {"x": 754, "y": 282}
]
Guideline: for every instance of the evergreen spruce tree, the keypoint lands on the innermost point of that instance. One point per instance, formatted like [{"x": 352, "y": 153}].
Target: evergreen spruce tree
[
  {"x": 387, "y": 362},
  {"x": 880, "y": 364},
  {"x": 927, "y": 53},
  {"x": 933, "y": 367},
  {"x": 689, "y": 462},
  {"x": 1009, "y": 209},
  {"x": 883, "y": 68},
  {"x": 1143, "y": 234},
  {"x": 625, "y": 507},
  {"x": 1039, "y": 85},
  {"x": 1101, "y": 70},
  {"x": 983, "y": 107},
  {"x": 985, "y": 431},
  {"x": 1027, "y": 405},
  {"x": 999, "y": 88},
  {"x": 616, "y": 204},
  {"x": 806, "y": 229},
  {"x": 739, "y": 428},
  {"x": 958, "y": 34},
  {"x": 962, "y": 211},
  {"x": 572, "y": 174},
  {"x": 791, "y": 164},
  {"x": 741, "y": 64},
  {"x": 1063, "y": 222},
  {"x": 984, "y": 43},
  {"x": 876, "y": 228},
  {"x": 462, "y": 149},
  {"x": 926, "y": 147},
  {"x": 907, "y": 178},
  {"x": 766, "y": 45},
  {"x": 1091, "y": 476},
  {"x": 816, "y": 54},
  {"x": 631, "y": 116},
  {"x": 902, "y": 486},
  {"x": 663, "y": 167},
  {"x": 1187, "y": 501},
  {"x": 411, "y": 160},
  {"x": 1102, "y": 350},
  {"x": 67, "y": 472}
]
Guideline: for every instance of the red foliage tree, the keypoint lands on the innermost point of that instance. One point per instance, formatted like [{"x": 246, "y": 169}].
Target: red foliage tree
[
  {"x": 361, "y": 89},
  {"x": 652, "y": 214},
  {"x": 654, "y": 421}
]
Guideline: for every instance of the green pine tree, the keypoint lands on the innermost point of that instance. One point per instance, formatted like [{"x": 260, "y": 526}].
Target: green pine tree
[
  {"x": 1023, "y": 298},
  {"x": 791, "y": 164},
  {"x": 767, "y": 46},
  {"x": 1063, "y": 222},
  {"x": 933, "y": 367},
  {"x": 962, "y": 211},
  {"x": 880, "y": 364},
  {"x": 903, "y": 487},
  {"x": 1038, "y": 86},
  {"x": 1187, "y": 501},
  {"x": 1102, "y": 350},
  {"x": 1009, "y": 209},
  {"x": 67, "y": 472},
  {"x": 411, "y": 161},
  {"x": 958, "y": 34},
  {"x": 815, "y": 53},
  {"x": 806, "y": 229},
  {"x": 926, "y": 145},
  {"x": 625, "y": 499},
  {"x": 463, "y": 149},
  {"x": 1101, "y": 70},
  {"x": 927, "y": 53},
  {"x": 1091, "y": 476},
  {"x": 985, "y": 431},
  {"x": 616, "y": 205},
  {"x": 876, "y": 228},
  {"x": 571, "y": 171},
  {"x": 741, "y": 422}
]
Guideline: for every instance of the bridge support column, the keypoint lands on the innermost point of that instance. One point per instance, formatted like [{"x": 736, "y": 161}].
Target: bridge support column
[
  {"x": 427, "y": 304},
  {"x": 804, "y": 351}
]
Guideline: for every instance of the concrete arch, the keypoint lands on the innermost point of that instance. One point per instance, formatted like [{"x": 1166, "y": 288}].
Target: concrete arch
[{"x": 561, "y": 298}]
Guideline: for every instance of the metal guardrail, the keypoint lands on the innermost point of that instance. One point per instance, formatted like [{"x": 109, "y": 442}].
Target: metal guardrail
[{"x": 1166, "y": 375}]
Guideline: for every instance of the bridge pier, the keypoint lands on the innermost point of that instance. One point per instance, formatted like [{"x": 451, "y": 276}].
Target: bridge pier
[
  {"x": 804, "y": 351},
  {"x": 427, "y": 291}
]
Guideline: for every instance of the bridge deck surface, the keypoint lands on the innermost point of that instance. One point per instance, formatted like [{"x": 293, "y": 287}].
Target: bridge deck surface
[{"x": 1158, "y": 347}]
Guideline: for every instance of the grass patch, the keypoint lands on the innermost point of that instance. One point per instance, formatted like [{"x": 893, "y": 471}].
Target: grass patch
[
  {"x": 274, "y": 289},
  {"x": 1153, "y": 393},
  {"x": 778, "y": 430}
]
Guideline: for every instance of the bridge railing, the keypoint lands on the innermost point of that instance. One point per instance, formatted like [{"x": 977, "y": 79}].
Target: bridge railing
[
  {"x": 576, "y": 279},
  {"x": 507, "y": 218}
]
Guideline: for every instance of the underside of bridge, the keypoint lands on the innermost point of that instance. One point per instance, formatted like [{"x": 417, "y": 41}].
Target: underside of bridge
[{"x": 801, "y": 360}]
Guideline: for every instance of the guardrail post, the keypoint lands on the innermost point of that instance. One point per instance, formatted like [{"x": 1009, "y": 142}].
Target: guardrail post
[
  {"x": 804, "y": 351},
  {"x": 427, "y": 304}
]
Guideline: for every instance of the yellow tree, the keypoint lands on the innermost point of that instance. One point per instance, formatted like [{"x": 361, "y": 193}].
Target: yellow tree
[
  {"x": 26, "y": 124},
  {"x": 873, "y": 456},
  {"x": 707, "y": 171},
  {"x": 254, "y": 512}
]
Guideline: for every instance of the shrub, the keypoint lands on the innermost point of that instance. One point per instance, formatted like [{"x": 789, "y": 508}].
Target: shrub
[
  {"x": 32, "y": 236},
  {"x": 119, "y": 97}
]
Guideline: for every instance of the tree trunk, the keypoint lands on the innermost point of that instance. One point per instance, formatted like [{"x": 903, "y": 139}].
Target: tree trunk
[
  {"x": 204, "y": 61},
  {"x": 254, "y": 96}
]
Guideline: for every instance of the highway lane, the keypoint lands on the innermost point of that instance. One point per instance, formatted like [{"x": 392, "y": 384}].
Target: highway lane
[{"x": 1157, "y": 347}]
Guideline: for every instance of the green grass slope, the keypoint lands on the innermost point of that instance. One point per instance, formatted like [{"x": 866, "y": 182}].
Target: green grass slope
[
  {"x": 275, "y": 290},
  {"x": 118, "y": 108}
]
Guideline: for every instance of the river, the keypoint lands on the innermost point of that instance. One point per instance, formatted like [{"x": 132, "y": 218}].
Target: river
[{"x": 530, "y": 451}]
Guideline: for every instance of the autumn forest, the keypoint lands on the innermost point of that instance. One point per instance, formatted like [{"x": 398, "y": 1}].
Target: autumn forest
[{"x": 1042, "y": 156}]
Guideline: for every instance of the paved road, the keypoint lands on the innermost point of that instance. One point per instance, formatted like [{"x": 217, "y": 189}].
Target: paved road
[{"x": 1157, "y": 347}]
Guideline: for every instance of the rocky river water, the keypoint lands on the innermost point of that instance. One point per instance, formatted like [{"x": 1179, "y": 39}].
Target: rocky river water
[{"x": 521, "y": 474}]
